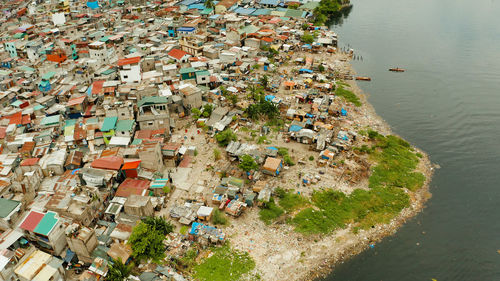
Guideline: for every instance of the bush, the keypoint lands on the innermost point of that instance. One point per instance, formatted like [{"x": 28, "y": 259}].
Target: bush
[
  {"x": 217, "y": 154},
  {"x": 218, "y": 218},
  {"x": 307, "y": 38},
  {"x": 147, "y": 238},
  {"x": 248, "y": 163},
  {"x": 225, "y": 137},
  {"x": 311, "y": 158}
]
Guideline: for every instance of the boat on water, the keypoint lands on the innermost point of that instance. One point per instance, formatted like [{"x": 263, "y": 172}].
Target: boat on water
[
  {"x": 396, "y": 69},
  {"x": 363, "y": 78}
]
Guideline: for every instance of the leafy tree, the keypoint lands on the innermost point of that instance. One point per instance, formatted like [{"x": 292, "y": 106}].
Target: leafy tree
[
  {"x": 327, "y": 8},
  {"x": 264, "y": 81},
  {"x": 196, "y": 113},
  {"x": 293, "y": 6},
  {"x": 118, "y": 271},
  {"x": 207, "y": 110},
  {"x": 307, "y": 38},
  {"x": 321, "y": 68},
  {"x": 219, "y": 218},
  {"x": 147, "y": 238},
  {"x": 233, "y": 99},
  {"x": 248, "y": 163},
  {"x": 225, "y": 137}
]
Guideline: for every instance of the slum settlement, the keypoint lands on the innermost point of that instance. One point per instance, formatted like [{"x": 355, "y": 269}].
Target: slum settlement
[{"x": 191, "y": 140}]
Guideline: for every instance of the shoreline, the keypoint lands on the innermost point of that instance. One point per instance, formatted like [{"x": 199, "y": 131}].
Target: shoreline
[{"x": 324, "y": 252}]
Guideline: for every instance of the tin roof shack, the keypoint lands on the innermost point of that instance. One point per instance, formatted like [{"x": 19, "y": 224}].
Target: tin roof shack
[
  {"x": 53, "y": 163},
  {"x": 204, "y": 213},
  {"x": 120, "y": 251},
  {"x": 81, "y": 240},
  {"x": 235, "y": 208},
  {"x": 151, "y": 156},
  {"x": 76, "y": 106},
  {"x": 138, "y": 205},
  {"x": 185, "y": 213},
  {"x": 74, "y": 160},
  {"x": 191, "y": 96},
  {"x": 9, "y": 213},
  {"x": 153, "y": 113},
  {"x": 272, "y": 166},
  {"x": 98, "y": 177},
  {"x": 81, "y": 206},
  {"x": 40, "y": 266},
  {"x": 132, "y": 187},
  {"x": 131, "y": 168}
]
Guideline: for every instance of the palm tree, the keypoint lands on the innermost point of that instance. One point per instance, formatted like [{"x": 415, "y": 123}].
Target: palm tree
[
  {"x": 118, "y": 271},
  {"x": 209, "y": 4}
]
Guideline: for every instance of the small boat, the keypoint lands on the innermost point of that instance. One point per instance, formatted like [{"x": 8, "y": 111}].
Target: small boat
[
  {"x": 396, "y": 69},
  {"x": 363, "y": 78}
]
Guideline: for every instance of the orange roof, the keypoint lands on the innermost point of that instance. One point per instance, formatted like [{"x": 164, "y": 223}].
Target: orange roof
[
  {"x": 132, "y": 186},
  {"x": 267, "y": 39},
  {"x": 177, "y": 54},
  {"x": 289, "y": 83},
  {"x": 129, "y": 61},
  {"x": 108, "y": 163},
  {"x": 75, "y": 101},
  {"x": 131, "y": 165},
  {"x": 97, "y": 87},
  {"x": 29, "y": 161}
]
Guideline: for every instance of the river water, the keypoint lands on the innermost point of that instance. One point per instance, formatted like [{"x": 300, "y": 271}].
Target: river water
[{"x": 448, "y": 104}]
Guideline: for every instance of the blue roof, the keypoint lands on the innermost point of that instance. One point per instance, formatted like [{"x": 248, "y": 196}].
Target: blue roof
[
  {"x": 187, "y": 2},
  {"x": 197, "y": 6},
  {"x": 259, "y": 12},
  {"x": 269, "y": 2},
  {"x": 214, "y": 17},
  {"x": 244, "y": 11},
  {"x": 186, "y": 29}
]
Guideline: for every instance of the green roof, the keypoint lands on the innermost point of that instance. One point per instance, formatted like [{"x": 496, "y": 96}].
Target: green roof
[
  {"x": 309, "y": 6},
  {"x": 27, "y": 68},
  {"x": 5, "y": 72},
  {"x": 136, "y": 142},
  {"x": 108, "y": 71},
  {"x": 248, "y": 29},
  {"x": 48, "y": 75},
  {"x": 187, "y": 70},
  {"x": 125, "y": 125},
  {"x": 46, "y": 224},
  {"x": 152, "y": 100},
  {"x": 19, "y": 35},
  {"x": 104, "y": 39},
  {"x": 202, "y": 72},
  {"x": 294, "y": 13},
  {"x": 206, "y": 11},
  {"x": 38, "y": 107},
  {"x": 70, "y": 122},
  {"x": 16, "y": 103},
  {"x": 50, "y": 120},
  {"x": 7, "y": 206},
  {"x": 109, "y": 124}
]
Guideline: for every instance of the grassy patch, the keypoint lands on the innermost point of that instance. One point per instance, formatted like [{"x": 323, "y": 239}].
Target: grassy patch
[
  {"x": 218, "y": 218},
  {"x": 225, "y": 264},
  {"x": 348, "y": 96},
  {"x": 270, "y": 211},
  {"x": 290, "y": 201},
  {"x": 396, "y": 165},
  {"x": 283, "y": 152},
  {"x": 334, "y": 209}
]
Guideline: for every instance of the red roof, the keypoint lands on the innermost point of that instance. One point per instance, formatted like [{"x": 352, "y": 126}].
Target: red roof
[
  {"x": 26, "y": 119},
  {"x": 29, "y": 161},
  {"x": 3, "y": 132},
  {"x": 31, "y": 221},
  {"x": 15, "y": 118},
  {"x": 132, "y": 186},
  {"x": 97, "y": 87},
  {"x": 267, "y": 39},
  {"x": 108, "y": 163},
  {"x": 177, "y": 54},
  {"x": 131, "y": 165},
  {"x": 75, "y": 101},
  {"x": 129, "y": 61}
]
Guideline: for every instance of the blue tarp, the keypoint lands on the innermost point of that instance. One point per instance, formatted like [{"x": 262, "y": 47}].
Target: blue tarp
[
  {"x": 69, "y": 256},
  {"x": 272, "y": 147},
  {"x": 343, "y": 112},
  {"x": 270, "y": 98},
  {"x": 295, "y": 128},
  {"x": 305, "y": 70},
  {"x": 93, "y": 4}
]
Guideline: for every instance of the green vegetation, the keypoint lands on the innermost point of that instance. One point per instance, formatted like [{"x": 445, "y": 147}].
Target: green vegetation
[
  {"x": 290, "y": 201},
  {"x": 395, "y": 170},
  {"x": 262, "y": 108},
  {"x": 189, "y": 258},
  {"x": 118, "y": 271},
  {"x": 218, "y": 218},
  {"x": 283, "y": 152},
  {"x": 225, "y": 264},
  {"x": 209, "y": 4},
  {"x": 348, "y": 96},
  {"x": 270, "y": 211},
  {"x": 147, "y": 238},
  {"x": 166, "y": 189},
  {"x": 261, "y": 139},
  {"x": 248, "y": 163},
  {"x": 327, "y": 8},
  {"x": 184, "y": 230},
  {"x": 217, "y": 154},
  {"x": 207, "y": 110},
  {"x": 396, "y": 164},
  {"x": 311, "y": 158},
  {"x": 225, "y": 137},
  {"x": 334, "y": 209},
  {"x": 307, "y": 38}
]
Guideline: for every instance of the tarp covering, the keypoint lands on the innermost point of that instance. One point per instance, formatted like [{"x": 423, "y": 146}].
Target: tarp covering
[{"x": 93, "y": 4}]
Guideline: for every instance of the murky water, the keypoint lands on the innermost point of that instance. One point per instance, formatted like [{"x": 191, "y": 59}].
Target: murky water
[{"x": 448, "y": 104}]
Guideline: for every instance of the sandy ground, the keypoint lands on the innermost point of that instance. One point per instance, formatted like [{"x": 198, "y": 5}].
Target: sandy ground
[{"x": 279, "y": 252}]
